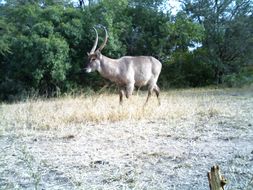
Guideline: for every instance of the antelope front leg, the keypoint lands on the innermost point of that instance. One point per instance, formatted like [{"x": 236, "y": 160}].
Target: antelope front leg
[
  {"x": 129, "y": 89},
  {"x": 150, "y": 89},
  {"x": 121, "y": 94}
]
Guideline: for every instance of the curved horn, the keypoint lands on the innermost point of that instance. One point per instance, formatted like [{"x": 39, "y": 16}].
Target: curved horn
[
  {"x": 104, "y": 43},
  {"x": 95, "y": 43}
]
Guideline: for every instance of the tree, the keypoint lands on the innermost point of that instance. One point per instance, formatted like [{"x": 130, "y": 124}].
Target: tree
[
  {"x": 38, "y": 57},
  {"x": 185, "y": 33},
  {"x": 221, "y": 19},
  {"x": 5, "y": 30}
]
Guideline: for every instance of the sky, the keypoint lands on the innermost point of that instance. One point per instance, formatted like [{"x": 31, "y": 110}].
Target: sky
[{"x": 174, "y": 5}]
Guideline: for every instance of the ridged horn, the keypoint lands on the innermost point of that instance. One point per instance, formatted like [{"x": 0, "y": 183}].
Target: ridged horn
[
  {"x": 95, "y": 43},
  {"x": 104, "y": 43}
]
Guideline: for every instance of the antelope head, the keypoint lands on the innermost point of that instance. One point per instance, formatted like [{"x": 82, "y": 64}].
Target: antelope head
[{"x": 95, "y": 56}]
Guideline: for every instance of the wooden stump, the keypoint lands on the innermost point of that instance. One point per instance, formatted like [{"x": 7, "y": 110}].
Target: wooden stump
[{"x": 216, "y": 181}]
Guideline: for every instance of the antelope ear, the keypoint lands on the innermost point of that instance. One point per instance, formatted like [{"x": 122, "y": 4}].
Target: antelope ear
[{"x": 98, "y": 54}]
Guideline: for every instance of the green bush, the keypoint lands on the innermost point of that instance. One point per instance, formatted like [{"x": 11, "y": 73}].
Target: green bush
[
  {"x": 244, "y": 78},
  {"x": 187, "y": 69}
]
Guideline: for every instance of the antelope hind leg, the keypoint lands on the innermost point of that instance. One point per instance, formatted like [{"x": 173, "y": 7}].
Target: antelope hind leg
[{"x": 157, "y": 92}]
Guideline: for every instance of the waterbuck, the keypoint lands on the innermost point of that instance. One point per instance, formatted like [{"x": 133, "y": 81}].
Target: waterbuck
[{"x": 127, "y": 72}]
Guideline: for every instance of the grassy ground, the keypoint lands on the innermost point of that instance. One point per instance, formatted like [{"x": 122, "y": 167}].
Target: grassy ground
[{"x": 90, "y": 142}]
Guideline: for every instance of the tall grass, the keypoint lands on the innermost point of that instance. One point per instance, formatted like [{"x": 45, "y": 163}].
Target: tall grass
[{"x": 44, "y": 114}]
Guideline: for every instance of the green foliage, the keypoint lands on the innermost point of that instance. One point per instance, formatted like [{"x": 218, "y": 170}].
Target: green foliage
[
  {"x": 243, "y": 78},
  {"x": 38, "y": 59},
  {"x": 43, "y": 29},
  {"x": 41, "y": 63},
  {"x": 4, "y": 40},
  {"x": 189, "y": 69},
  {"x": 185, "y": 33},
  {"x": 147, "y": 36},
  {"x": 227, "y": 32}
]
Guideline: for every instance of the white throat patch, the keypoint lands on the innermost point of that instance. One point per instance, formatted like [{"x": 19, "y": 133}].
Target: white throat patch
[{"x": 88, "y": 70}]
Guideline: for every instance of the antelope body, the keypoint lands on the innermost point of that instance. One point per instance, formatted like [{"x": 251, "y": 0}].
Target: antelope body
[{"x": 127, "y": 72}]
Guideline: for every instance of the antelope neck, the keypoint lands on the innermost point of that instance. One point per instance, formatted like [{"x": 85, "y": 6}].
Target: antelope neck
[{"x": 108, "y": 67}]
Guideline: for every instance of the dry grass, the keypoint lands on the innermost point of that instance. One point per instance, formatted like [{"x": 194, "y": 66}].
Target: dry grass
[
  {"x": 90, "y": 142},
  {"x": 57, "y": 113}
]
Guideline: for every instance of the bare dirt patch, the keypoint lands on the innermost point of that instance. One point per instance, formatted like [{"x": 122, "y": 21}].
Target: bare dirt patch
[{"x": 92, "y": 143}]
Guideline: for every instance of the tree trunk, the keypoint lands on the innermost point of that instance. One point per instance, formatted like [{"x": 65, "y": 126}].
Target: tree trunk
[{"x": 216, "y": 181}]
